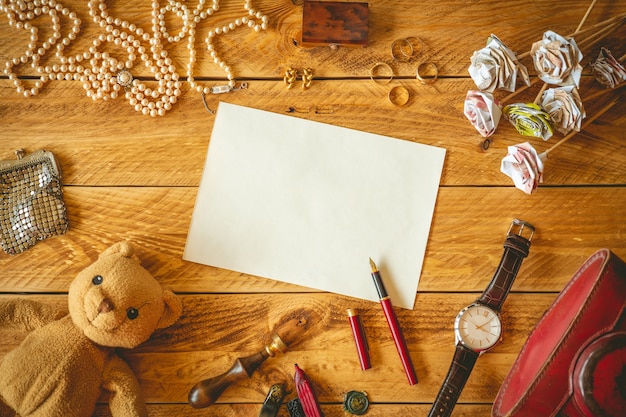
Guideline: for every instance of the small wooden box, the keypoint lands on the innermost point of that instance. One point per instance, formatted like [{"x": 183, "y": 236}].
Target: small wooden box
[{"x": 334, "y": 22}]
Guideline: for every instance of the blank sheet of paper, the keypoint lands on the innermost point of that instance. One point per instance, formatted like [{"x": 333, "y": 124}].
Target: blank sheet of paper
[{"x": 309, "y": 203}]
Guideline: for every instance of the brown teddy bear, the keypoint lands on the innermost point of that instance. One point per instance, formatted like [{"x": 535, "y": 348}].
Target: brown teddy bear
[{"x": 65, "y": 361}]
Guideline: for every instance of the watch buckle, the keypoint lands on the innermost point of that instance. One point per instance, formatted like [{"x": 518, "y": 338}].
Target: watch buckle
[{"x": 520, "y": 228}]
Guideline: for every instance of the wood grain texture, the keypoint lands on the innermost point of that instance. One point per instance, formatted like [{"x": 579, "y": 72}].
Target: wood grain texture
[
  {"x": 463, "y": 251},
  {"x": 128, "y": 176}
]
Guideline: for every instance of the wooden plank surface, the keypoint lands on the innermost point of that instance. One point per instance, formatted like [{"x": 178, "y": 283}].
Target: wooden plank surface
[{"x": 128, "y": 176}]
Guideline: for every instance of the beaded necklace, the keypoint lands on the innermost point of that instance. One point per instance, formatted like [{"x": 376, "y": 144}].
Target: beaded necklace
[{"x": 103, "y": 76}]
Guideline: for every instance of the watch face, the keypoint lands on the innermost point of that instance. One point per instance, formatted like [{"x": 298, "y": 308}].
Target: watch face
[{"x": 478, "y": 327}]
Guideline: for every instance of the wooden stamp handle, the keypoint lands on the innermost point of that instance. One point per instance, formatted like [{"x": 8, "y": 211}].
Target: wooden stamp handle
[{"x": 206, "y": 392}]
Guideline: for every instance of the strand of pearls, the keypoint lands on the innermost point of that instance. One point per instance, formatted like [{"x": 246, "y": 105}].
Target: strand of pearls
[
  {"x": 107, "y": 75},
  {"x": 248, "y": 20},
  {"x": 103, "y": 76},
  {"x": 20, "y": 14},
  {"x": 190, "y": 21}
]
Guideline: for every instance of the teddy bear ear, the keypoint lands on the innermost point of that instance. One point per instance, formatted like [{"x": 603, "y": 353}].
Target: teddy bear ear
[
  {"x": 123, "y": 248},
  {"x": 173, "y": 309}
]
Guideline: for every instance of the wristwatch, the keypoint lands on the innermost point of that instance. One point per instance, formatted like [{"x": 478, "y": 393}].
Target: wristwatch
[{"x": 477, "y": 327}]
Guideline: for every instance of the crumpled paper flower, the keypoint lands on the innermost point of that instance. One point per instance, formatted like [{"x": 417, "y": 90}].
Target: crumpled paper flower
[
  {"x": 483, "y": 111},
  {"x": 496, "y": 66},
  {"x": 529, "y": 120},
  {"x": 557, "y": 60},
  {"x": 524, "y": 166},
  {"x": 607, "y": 70},
  {"x": 565, "y": 108}
]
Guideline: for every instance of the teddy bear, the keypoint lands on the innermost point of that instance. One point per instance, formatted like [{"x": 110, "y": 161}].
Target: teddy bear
[{"x": 67, "y": 360}]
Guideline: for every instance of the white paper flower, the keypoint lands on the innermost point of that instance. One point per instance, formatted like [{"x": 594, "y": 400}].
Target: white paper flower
[
  {"x": 496, "y": 66},
  {"x": 524, "y": 166},
  {"x": 557, "y": 60},
  {"x": 607, "y": 70},
  {"x": 565, "y": 108},
  {"x": 529, "y": 120},
  {"x": 483, "y": 111}
]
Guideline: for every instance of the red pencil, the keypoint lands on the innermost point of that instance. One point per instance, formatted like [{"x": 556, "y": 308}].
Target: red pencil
[
  {"x": 306, "y": 394},
  {"x": 392, "y": 321}
]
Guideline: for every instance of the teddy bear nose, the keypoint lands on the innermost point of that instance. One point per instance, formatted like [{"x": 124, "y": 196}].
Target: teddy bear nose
[{"x": 105, "y": 306}]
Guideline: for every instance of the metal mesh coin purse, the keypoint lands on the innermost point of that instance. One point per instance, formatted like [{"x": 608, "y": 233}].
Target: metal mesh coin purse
[{"x": 31, "y": 201}]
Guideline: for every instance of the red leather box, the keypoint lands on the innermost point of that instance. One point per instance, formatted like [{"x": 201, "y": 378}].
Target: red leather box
[{"x": 574, "y": 361}]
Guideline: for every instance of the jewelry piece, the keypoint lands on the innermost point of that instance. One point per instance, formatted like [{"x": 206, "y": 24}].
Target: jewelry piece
[
  {"x": 417, "y": 46},
  {"x": 125, "y": 78},
  {"x": 401, "y": 50},
  {"x": 102, "y": 75},
  {"x": 428, "y": 74},
  {"x": 404, "y": 50},
  {"x": 307, "y": 78},
  {"x": 398, "y": 95},
  {"x": 290, "y": 77},
  {"x": 379, "y": 70}
]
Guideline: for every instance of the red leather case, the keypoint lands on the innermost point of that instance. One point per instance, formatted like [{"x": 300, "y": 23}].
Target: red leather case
[{"x": 574, "y": 361}]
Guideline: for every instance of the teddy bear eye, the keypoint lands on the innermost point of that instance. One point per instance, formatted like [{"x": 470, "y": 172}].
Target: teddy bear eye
[
  {"x": 97, "y": 280},
  {"x": 132, "y": 313}
]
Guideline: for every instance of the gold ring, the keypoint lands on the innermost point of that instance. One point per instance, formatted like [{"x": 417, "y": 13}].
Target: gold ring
[
  {"x": 377, "y": 71},
  {"x": 399, "y": 46},
  {"x": 415, "y": 42},
  {"x": 428, "y": 71},
  {"x": 398, "y": 95}
]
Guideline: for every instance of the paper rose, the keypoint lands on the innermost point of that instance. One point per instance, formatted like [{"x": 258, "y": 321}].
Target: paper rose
[
  {"x": 557, "y": 60},
  {"x": 565, "y": 108},
  {"x": 483, "y": 112},
  {"x": 524, "y": 166},
  {"x": 495, "y": 66},
  {"x": 607, "y": 70},
  {"x": 529, "y": 120}
]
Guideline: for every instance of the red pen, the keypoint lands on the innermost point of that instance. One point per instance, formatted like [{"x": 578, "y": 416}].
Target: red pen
[
  {"x": 392, "y": 321},
  {"x": 359, "y": 339}
]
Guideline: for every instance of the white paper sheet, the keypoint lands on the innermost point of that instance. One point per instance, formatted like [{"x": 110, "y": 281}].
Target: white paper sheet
[{"x": 309, "y": 203}]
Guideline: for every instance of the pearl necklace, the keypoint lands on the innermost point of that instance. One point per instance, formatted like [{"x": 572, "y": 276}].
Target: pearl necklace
[{"x": 102, "y": 75}]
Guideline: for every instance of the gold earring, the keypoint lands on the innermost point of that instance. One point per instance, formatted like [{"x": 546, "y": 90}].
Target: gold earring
[
  {"x": 307, "y": 78},
  {"x": 290, "y": 77}
]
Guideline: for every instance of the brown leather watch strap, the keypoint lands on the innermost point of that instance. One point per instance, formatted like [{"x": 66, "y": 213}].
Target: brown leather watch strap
[
  {"x": 460, "y": 369},
  {"x": 516, "y": 248}
]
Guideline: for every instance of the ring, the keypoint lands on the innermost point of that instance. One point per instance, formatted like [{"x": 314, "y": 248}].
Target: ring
[
  {"x": 428, "y": 71},
  {"x": 400, "y": 45},
  {"x": 377, "y": 70},
  {"x": 398, "y": 95},
  {"x": 415, "y": 41}
]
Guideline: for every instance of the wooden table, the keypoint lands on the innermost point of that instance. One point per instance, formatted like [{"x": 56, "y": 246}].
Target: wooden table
[{"x": 130, "y": 176}]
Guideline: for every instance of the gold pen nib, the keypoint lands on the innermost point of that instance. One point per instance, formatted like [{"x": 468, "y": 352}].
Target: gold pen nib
[{"x": 373, "y": 265}]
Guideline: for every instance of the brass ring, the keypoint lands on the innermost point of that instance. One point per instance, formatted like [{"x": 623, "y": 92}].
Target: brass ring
[
  {"x": 431, "y": 75},
  {"x": 375, "y": 71},
  {"x": 415, "y": 41},
  {"x": 399, "y": 45},
  {"x": 398, "y": 96}
]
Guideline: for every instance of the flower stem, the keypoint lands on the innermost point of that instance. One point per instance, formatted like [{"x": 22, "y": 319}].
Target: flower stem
[
  {"x": 582, "y": 22},
  {"x": 540, "y": 93}
]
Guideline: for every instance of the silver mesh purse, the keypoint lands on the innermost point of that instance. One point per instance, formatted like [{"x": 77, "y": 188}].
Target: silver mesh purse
[{"x": 31, "y": 201}]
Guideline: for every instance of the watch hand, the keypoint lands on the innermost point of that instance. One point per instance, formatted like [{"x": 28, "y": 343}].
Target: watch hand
[{"x": 482, "y": 325}]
